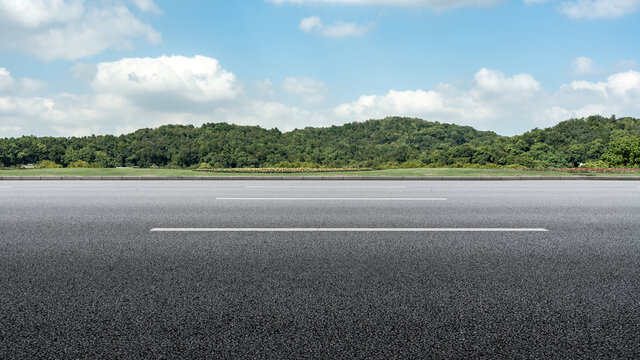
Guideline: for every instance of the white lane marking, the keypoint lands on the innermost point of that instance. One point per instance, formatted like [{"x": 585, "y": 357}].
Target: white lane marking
[
  {"x": 331, "y": 187},
  {"x": 349, "y": 230},
  {"x": 338, "y": 199},
  {"x": 6, "y": 187}
]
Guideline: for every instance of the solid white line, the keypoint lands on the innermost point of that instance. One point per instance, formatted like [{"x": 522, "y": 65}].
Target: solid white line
[
  {"x": 330, "y": 187},
  {"x": 6, "y": 187},
  {"x": 338, "y": 199},
  {"x": 349, "y": 230}
]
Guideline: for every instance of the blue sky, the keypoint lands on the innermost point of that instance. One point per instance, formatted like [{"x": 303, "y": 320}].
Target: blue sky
[{"x": 73, "y": 67}]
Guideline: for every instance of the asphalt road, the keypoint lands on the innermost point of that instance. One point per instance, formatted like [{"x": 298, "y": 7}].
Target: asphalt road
[{"x": 83, "y": 276}]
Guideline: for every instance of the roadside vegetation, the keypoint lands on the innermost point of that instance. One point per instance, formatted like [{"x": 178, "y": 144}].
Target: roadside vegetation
[
  {"x": 392, "y": 143},
  {"x": 437, "y": 172}
]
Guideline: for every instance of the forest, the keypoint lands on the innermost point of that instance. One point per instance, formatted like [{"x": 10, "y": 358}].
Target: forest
[{"x": 387, "y": 143}]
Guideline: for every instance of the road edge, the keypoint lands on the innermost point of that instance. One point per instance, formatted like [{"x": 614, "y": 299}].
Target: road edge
[{"x": 316, "y": 178}]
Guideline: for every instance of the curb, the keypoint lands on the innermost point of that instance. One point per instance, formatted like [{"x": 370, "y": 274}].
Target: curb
[{"x": 316, "y": 178}]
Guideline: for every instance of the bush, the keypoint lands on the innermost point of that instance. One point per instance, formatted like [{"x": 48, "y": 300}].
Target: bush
[
  {"x": 205, "y": 165},
  {"x": 595, "y": 165},
  {"x": 284, "y": 165},
  {"x": 48, "y": 164},
  {"x": 79, "y": 164}
]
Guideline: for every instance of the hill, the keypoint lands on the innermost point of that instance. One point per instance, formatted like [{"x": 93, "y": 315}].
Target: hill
[{"x": 390, "y": 142}]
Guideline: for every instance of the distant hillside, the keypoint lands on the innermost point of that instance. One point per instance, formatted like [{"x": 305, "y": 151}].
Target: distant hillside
[
  {"x": 388, "y": 142},
  {"x": 571, "y": 142}
]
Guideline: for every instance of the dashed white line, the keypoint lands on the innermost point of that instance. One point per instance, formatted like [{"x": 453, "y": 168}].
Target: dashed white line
[
  {"x": 349, "y": 230},
  {"x": 334, "y": 199}
]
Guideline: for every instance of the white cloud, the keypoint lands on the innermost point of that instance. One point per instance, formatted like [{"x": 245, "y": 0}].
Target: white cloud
[
  {"x": 167, "y": 82},
  {"x": 495, "y": 81},
  {"x": 511, "y": 104},
  {"x": 437, "y": 5},
  {"x": 79, "y": 115},
  {"x": 626, "y": 84},
  {"x": 8, "y": 85},
  {"x": 144, "y": 92},
  {"x": 393, "y": 103},
  {"x": 339, "y": 29},
  {"x": 147, "y": 6},
  {"x": 310, "y": 91},
  {"x": 265, "y": 89},
  {"x": 69, "y": 29},
  {"x": 494, "y": 101},
  {"x": 149, "y": 92},
  {"x": 6, "y": 80},
  {"x": 617, "y": 95},
  {"x": 310, "y": 24},
  {"x": 582, "y": 65},
  {"x": 594, "y": 9}
]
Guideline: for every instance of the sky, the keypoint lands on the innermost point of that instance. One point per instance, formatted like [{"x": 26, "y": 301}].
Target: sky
[{"x": 76, "y": 68}]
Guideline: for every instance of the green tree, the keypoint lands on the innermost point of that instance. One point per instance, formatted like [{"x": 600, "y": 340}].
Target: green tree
[{"x": 624, "y": 152}]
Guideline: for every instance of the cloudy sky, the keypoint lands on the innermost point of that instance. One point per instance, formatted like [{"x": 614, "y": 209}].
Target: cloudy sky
[{"x": 74, "y": 67}]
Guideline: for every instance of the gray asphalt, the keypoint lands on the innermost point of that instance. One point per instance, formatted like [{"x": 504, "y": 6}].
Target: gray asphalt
[{"x": 82, "y": 275}]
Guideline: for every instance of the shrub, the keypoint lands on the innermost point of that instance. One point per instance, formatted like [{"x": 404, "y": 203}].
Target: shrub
[
  {"x": 595, "y": 164},
  {"x": 284, "y": 165},
  {"x": 205, "y": 165},
  {"x": 279, "y": 170},
  {"x": 79, "y": 164},
  {"x": 48, "y": 164}
]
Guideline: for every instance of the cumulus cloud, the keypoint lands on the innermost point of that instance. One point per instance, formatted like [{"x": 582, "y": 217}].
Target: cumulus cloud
[
  {"x": 167, "y": 82},
  {"x": 149, "y": 92},
  {"x": 265, "y": 89},
  {"x": 70, "y": 29},
  {"x": 495, "y": 81},
  {"x": 617, "y": 95},
  {"x": 308, "y": 90},
  {"x": 9, "y": 85},
  {"x": 80, "y": 115},
  {"x": 393, "y": 103},
  {"x": 621, "y": 85},
  {"x": 594, "y": 9},
  {"x": 495, "y": 101},
  {"x": 339, "y": 29},
  {"x": 437, "y": 5},
  {"x": 132, "y": 93},
  {"x": 6, "y": 80}
]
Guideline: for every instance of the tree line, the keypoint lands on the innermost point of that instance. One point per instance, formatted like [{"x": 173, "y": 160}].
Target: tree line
[{"x": 390, "y": 142}]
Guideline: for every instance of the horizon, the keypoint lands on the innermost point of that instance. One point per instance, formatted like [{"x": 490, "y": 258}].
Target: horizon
[{"x": 77, "y": 68}]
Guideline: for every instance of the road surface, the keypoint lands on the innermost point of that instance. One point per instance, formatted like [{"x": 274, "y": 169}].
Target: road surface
[{"x": 372, "y": 269}]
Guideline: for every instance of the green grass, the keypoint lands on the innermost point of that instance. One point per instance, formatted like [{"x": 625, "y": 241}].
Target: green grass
[{"x": 390, "y": 172}]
